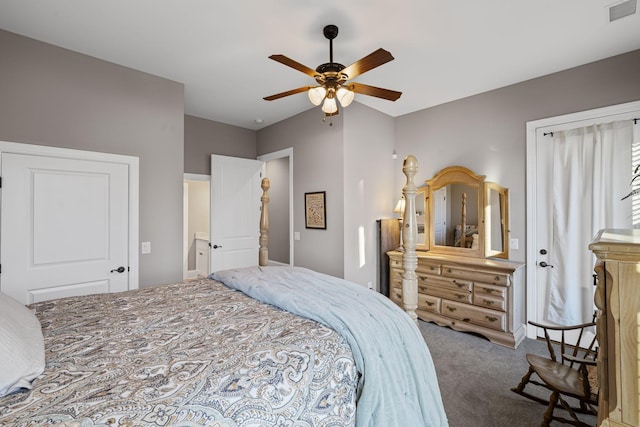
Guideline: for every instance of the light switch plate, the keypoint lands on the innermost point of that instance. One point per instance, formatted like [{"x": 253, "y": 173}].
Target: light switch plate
[
  {"x": 513, "y": 244},
  {"x": 146, "y": 247}
]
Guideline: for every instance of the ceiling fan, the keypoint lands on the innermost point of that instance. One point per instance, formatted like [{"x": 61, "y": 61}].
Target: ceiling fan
[{"x": 334, "y": 79}]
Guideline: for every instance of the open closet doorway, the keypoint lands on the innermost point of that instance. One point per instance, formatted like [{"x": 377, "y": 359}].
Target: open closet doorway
[
  {"x": 578, "y": 169},
  {"x": 196, "y": 214},
  {"x": 196, "y": 226},
  {"x": 279, "y": 170}
]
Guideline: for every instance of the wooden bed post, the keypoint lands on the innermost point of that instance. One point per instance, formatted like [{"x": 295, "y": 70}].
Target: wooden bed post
[
  {"x": 264, "y": 223},
  {"x": 409, "y": 238}
]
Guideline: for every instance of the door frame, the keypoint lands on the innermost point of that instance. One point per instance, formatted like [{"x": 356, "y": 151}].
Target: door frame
[
  {"x": 73, "y": 154},
  {"x": 285, "y": 153},
  {"x": 551, "y": 124}
]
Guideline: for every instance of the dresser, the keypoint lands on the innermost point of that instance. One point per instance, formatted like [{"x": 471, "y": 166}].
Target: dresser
[
  {"x": 481, "y": 295},
  {"x": 618, "y": 325}
]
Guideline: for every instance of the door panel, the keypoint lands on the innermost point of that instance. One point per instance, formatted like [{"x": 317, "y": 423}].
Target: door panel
[
  {"x": 235, "y": 212},
  {"x": 64, "y": 227}
]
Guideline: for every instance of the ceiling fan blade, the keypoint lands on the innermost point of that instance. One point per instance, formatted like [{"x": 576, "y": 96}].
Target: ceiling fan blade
[
  {"x": 294, "y": 64},
  {"x": 287, "y": 93},
  {"x": 378, "y": 92},
  {"x": 367, "y": 63}
]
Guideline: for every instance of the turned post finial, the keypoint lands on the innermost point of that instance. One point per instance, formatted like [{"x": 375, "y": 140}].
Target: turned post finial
[
  {"x": 263, "y": 253},
  {"x": 410, "y": 238}
]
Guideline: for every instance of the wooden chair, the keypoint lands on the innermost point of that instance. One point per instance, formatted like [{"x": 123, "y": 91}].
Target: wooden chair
[{"x": 573, "y": 374}]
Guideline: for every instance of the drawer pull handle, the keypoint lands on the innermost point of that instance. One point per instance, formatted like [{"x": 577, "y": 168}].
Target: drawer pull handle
[
  {"x": 460, "y": 285},
  {"x": 448, "y": 270},
  {"x": 422, "y": 288},
  {"x": 491, "y": 318},
  {"x": 466, "y": 319},
  {"x": 488, "y": 302},
  {"x": 489, "y": 291},
  {"x": 461, "y": 296},
  {"x": 430, "y": 303},
  {"x": 422, "y": 277},
  {"x": 498, "y": 278},
  {"x": 451, "y": 309}
]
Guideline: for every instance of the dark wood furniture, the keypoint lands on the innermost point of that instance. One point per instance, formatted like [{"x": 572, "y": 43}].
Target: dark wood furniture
[
  {"x": 388, "y": 239},
  {"x": 568, "y": 371}
]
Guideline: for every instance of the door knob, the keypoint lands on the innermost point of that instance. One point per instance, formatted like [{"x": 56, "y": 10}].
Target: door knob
[
  {"x": 544, "y": 264},
  {"x": 119, "y": 269},
  {"x": 217, "y": 246}
]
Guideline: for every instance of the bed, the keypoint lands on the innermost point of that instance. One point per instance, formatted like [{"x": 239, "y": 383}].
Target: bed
[{"x": 255, "y": 346}]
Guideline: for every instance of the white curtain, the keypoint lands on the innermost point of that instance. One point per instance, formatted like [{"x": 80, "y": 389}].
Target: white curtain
[{"x": 591, "y": 173}]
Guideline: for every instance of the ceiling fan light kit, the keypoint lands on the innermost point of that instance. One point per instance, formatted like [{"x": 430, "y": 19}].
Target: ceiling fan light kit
[{"x": 332, "y": 78}]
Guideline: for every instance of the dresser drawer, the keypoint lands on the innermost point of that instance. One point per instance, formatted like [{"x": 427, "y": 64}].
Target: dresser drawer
[
  {"x": 445, "y": 292},
  {"x": 490, "y": 302},
  {"x": 447, "y": 282},
  {"x": 429, "y": 303},
  {"x": 489, "y": 290},
  {"x": 395, "y": 277},
  {"x": 395, "y": 294},
  {"x": 475, "y": 275},
  {"x": 476, "y": 315},
  {"x": 427, "y": 267},
  {"x": 395, "y": 263},
  {"x": 490, "y": 296}
]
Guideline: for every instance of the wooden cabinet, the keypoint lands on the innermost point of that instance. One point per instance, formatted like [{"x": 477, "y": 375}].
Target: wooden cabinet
[
  {"x": 485, "y": 296},
  {"x": 618, "y": 325},
  {"x": 202, "y": 257}
]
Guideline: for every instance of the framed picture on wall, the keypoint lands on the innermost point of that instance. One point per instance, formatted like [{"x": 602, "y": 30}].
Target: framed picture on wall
[{"x": 315, "y": 210}]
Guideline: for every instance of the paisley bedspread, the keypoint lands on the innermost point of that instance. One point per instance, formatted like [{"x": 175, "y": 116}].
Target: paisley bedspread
[{"x": 188, "y": 354}]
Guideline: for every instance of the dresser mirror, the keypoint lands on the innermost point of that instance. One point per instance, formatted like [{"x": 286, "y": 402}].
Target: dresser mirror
[{"x": 465, "y": 215}]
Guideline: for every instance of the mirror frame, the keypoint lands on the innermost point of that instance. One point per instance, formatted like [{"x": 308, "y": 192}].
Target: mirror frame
[
  {"x": 456, "y": 175},
  {"x": 504, "y": 216},
  {"x": 462, "y": 175}
]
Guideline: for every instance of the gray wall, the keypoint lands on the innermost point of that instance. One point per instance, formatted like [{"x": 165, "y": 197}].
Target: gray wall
[
  {"x": 56, "y": 97},
  {"x": 202, "y": 138},
  {"x": 317, "y": 166},
  {"x": 369, "y": 195},
  {"x": 487, "y": 132}
]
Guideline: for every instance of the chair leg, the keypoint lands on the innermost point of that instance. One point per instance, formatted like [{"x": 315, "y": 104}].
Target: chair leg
[
  {"x": 523, "y": 381},
  {"x": 548, "y": 414},
  {"x": 526, "y": 379}
]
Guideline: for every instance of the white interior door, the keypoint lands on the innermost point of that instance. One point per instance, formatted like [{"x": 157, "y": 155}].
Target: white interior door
[
  {"x": 64, "y": 228},
  {"x": 235, "y": 212}
]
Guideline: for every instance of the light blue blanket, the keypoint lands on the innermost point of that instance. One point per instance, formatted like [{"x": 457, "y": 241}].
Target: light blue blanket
[{"x": 398, "y": 385}]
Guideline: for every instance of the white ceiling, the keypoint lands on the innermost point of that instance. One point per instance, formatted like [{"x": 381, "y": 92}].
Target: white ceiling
[{"x": 444, "y": 49}]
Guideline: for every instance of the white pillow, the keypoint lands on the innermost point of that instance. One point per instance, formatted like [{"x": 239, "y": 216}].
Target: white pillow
[{"x": 21, "y": 346}]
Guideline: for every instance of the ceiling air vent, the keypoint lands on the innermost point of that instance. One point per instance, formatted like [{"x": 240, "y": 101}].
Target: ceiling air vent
[{"x": 620, "y": 10}]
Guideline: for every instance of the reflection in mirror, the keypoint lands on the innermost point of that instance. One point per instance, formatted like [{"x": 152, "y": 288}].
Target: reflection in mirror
[
  {"x": 448, "y": 215},
  {"x": 421, "y": 243}
]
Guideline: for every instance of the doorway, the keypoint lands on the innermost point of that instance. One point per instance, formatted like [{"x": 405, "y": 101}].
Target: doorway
[
  {"x": 549, "y": 257},
  {"x": 196, "y": 214},
  {"x": 196, "y": 230},
  {"x": 279, "y": 170}
]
